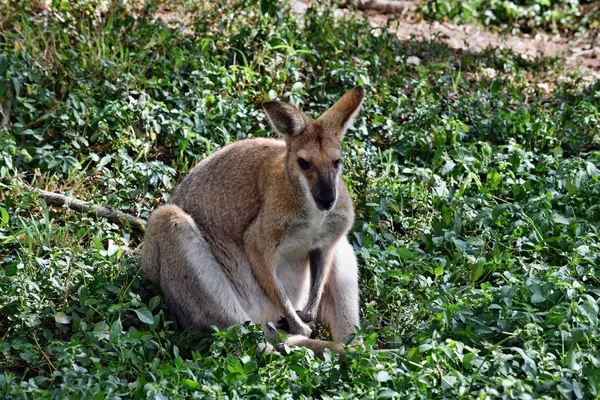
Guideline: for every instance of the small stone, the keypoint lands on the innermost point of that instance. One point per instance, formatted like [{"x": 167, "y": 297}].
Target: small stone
[
  {"x": 489, "y": 72},
  {"x": 299, "y": 7},
  {"x": 413, "y": 60}
]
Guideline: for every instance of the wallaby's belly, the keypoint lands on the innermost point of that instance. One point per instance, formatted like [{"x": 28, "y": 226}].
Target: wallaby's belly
[{"x": 293, "y": 272}]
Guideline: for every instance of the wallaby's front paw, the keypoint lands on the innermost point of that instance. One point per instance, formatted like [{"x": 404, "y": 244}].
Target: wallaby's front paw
[
  {"x": 298, "y": 327},
  {"x": 301, "y": 329},
  {"x": 294, "y": 328},
  {"x": 306, "y": 316},
  {"x": 282, "y": 324}
]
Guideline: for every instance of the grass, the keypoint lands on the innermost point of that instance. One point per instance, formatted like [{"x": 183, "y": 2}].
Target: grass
[{"x": 477, "y": 223}]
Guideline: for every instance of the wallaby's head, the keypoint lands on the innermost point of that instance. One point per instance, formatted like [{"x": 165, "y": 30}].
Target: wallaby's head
[{"x": 314, "y": 148}]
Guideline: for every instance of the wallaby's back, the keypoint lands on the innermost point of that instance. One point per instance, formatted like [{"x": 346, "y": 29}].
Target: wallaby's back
[{"x": 223, "y": 192}]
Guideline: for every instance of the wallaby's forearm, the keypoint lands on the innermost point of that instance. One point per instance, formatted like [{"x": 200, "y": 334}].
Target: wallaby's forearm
[
  {"x": 262, "y": 261},
  {"x": 265, "y": 275},
  {"x": 320, "y": 265}
]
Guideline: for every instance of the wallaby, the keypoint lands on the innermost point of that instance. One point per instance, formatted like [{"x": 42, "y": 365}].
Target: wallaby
[{"x": 257, "y": 231}]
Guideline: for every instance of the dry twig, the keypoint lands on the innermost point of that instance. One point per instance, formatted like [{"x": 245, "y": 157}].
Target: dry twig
[
  {"x": 57, "y": 199},
  {"x": 384, "y": 6}
]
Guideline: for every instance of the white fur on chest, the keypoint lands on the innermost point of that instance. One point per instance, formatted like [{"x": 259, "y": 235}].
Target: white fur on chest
[
  {"x": 292, "y": 257},
  {"x": 305, "y": 234}
]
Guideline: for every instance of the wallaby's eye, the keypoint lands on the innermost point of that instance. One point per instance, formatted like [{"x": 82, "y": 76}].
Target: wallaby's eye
[
  {"x": 303, "y": 164},
  {"x": 337, "y": 163}
]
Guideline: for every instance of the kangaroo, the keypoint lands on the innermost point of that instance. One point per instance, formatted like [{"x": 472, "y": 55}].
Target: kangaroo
[{"x": 257, "y": 232}]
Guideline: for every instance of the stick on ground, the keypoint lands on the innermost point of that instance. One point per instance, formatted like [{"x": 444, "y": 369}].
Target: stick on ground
[
  {"x": 384, "y": 6},
  {"x": 73, "y": 203}
]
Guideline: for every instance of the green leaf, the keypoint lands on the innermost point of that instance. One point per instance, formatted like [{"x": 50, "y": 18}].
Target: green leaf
[
  {"x": 16, "y": 86},
  {"x": 3, "y": 216},
  {"x": 62, "y": 318},
  {"x": 571, "y": 360},
  {"x": 386, "y": 393},
  {"x": 97, "y": 243},
  {"x": 154, "y": 302},
  {"x": 448, "y": 167},
  {"x": 468, "y": 360},
  {"x": 496, "y": 85},
  {"x": 460, "y": 245},
  {"x": 413, "y": 354},
  {"x": 528, "y": 366},
  {"x": 404, "y": 253},
  {"x": 493, "y": 179},
  {"x": 477, "y": 272},
  {"x": 191, "y": 384},
  {"x": 499, "y": 210},
  {"x": 559, "y": 219},
  {"x": 590, "y": 312},
  {"x": 250, "y": 366},
  {"x": 268, "y": 7},
  {"x": 382, "y": 376},
  {"x": 537, "y": 298},
  {"x": 144, "y": 315},
  {"x": 3, "y": 65},
  {"x": 116, "y": 330}
]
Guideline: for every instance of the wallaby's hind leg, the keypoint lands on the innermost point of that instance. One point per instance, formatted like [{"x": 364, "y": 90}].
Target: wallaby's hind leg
[
  {"x": 339, "y": 305},
  {"x": 177, "y": 258}
]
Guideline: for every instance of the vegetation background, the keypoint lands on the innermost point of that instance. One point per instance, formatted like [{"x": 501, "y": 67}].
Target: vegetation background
[{"x": 475, "y": 177}]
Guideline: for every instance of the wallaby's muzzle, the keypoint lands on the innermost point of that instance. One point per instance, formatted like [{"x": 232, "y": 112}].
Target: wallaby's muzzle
[{"x": 325, "y": 195}]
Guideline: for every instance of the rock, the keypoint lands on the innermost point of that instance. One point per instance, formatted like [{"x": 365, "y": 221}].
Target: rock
[{"x": 413, "y": 60}]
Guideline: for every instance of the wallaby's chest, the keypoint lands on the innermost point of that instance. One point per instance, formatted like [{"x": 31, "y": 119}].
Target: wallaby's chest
[{"x": 308, "y": 232}]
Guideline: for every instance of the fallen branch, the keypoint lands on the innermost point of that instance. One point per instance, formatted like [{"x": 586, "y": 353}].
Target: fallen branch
[
  {"x": 6, "y": 105},
  {"x": 384, "y": 6},
  {"x": 73, "y": 203}
]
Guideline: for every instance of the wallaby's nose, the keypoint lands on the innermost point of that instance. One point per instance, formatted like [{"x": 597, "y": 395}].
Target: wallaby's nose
[{"x": 325, "y": 200}]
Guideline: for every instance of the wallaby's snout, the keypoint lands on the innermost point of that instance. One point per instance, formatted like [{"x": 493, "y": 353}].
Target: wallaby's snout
[{"x": 325, "y": 193}]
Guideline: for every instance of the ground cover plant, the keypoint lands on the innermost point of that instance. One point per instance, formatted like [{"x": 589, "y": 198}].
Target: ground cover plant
[
  {"x": 475, "y": 181},
  {"x": 571, "y": 17}
]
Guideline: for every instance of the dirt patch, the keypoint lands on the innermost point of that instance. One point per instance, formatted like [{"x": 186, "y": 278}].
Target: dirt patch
[{"x": 582, "y": 55}]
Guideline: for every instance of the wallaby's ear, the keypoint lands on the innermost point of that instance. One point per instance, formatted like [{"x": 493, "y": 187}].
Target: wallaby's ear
[
  {"x": 284, "y": 118},
  {"x": 341, "y": 115}
]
